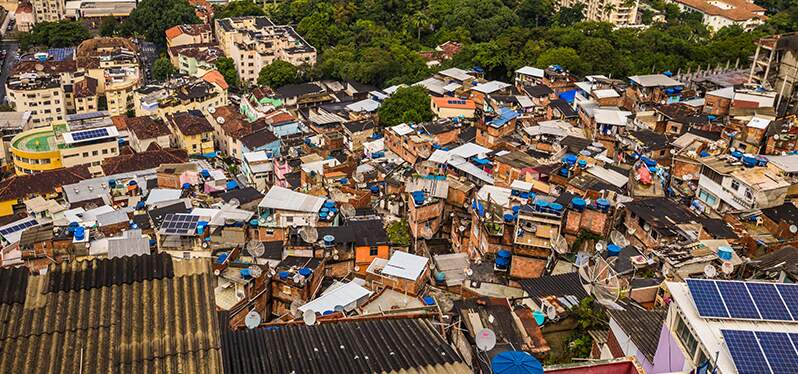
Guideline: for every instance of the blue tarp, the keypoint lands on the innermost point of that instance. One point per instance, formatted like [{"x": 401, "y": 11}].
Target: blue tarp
[
  {"x": 231, "y": 185},
  {"x": 209, "y": 155},
  {"x": 513, "y": 362},
  {"x": 505, "y": 115},
  {"x": 568, "y": 96}
]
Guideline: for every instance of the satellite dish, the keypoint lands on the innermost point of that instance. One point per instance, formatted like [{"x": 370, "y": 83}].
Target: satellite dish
[
  {"x": 559, "y": 244},
  {"x": 234, "y": 203},
  {"x": 255, "y": 248},
  {"x": 348, "y": 210},
  {"x": 309, "y": 234},
  {"x": 309, "y": 317},
  {"x": 673, "y": 151},
  {"x": 776, "y": 137},
  {"x": 294, "y": 307},
  {"x": 211, "y": 110},
  {"x": 486, "y": 339},
  {"x": 599, "y": 247},
  {"x": 793, "y": 229},
  {"x": 252, "y": 320},
  {"x": 298, "y": 278},
  {"x": 339, "y": 308},
  {"x": 600, "y": 280},
  {"x": 710, "y": 271},
  {"x": 618, "y": 238},
  {"x": 220, "y": 120},
  {"x": 727, "y": 267},
  {"x": 551, "y": 312},
  {"x": 255, "y": 271}
]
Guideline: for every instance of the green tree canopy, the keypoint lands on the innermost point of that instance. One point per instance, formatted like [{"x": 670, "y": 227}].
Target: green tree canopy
[
  {"x": 54, "y": 35},
  {"x": 407, "y": 104},
  {"x": 227, "y": 68},
  {"x": 278, "y": 74},
  {"x": 151, "y": 18},
  {"x": 108, "y": 26},
  {"x": 162, "y": 68},
  {"x": 239, "y": 8}
]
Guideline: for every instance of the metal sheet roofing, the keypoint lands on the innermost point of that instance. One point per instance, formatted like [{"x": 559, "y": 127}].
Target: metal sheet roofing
[
  {"x": 280, "y": 198},
  {"x": 405, "y": 265},
  {"x": 529, "y": 70},
  {"x": 344, "y": 295}
]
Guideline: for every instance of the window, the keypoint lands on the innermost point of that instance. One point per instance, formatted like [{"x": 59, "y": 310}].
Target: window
[
  {"x": 85, "y": 154},
  {"x": 95, "y": 153},
  {"x": 373, "y": 251},
  {"x": 735, "y": 185},
  {"x": 105, "y": 151},
  {"x": 686, "y": 337}
]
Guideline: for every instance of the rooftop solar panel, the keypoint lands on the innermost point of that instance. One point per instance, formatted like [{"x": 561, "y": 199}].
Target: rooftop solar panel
[
  {"x": 789, "y": 293},
  {"x": 769, "y": 302},
  {"x": 738, "y": 301},
  {"x": 745, "y": 352},
  {"x": 779, "y": 351},
  {"x": 89, "y": 134},
  {"x": 707, "y": 298},
  {"x": 179, "y": 224},
  {"x": 18, "y": 227}
]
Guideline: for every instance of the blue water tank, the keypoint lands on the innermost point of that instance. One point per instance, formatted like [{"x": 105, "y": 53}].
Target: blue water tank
[
  {"x": 205, "y": 173},
  {"x": 245, "y": 273},
  {"x": 541, "y": 205},
  {"x": 72, "y": 226},
  {"x": 305, "y": 272},
  {"x": 737, "y": 154},
  {"x": 329, "y": 204},
  {"x": 613, "y": 249},
  {"x": 325, "y": 210},
  {"x": 502, "y": 262},
  {"x": 328, "y": 312},
  {"x": 328, "y": 240},
  {"x": 153, "y": 242},
  {"x": 649, "y": 162},
  {"x": 761, "y": 161},
  {"x": 253, "y": 222},
  {"x": 556, "y": 207},
  {"x": 283, "y": 275},
  {"x": 231, "y": 185},
  {"x": 132, "y": 183},
  {"x": 603, "y": 205},
  {"x": 374, "y": 188},
  {"x": 323, "y": 214},
  {"x": 564, "y": 172},
  {"x": 503, "y": 253},
  {"x": 112, "y": 183},
  {"x": 749, "y": 161},
  {"x": 725, "y": 253},
  {"x": 516, "y": 209},
  {"x": 80, "y": 233},
  {"x": 582, "y": 164},
  {"x": 508, "y": 217},
  {"x": 140, "y": 205},
  {"x": 524, "y": 195},
  {"x": 429, "y": 300},
  {"x": 570, "y": 159},
  {"x": 186, "y": 186},
  {"x": 578, "y": 204},
  {"x": 418, "y": 197},
  {"x": 222, "y": 257},
  {"x": 344, "y": 180}
]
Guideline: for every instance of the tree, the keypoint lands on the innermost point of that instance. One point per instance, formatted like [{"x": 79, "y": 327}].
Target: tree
[
  {"x": 277, "y": 74},
  {"x": 152, "y": 17},
  {"x": 568, "y": 16},
  {"x": 227, "y": 67},
  {"x": 535, "y": 13},
  {"x": 399, "y": 233},
  {"x": 407, "y": 104},
  {"x": 108, "y": 26},
  {"x": 563, "y": 56},
  {"x": 240, "y": 8},
  {"x": 162, "y": 68},
  {"x": 54, "y": 35},
  {"x": 419, "y": 20}
]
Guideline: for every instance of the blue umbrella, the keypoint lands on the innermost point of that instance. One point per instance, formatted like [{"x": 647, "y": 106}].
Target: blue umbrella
[{"x": 513, "y": 362}]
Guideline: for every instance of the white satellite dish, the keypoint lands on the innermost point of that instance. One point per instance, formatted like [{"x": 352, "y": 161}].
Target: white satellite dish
[
  {"x": 255, "y": 271},
  {"x": 255, "y": 248},
  {"x": 600, "y": 280},
  {"x": 309, "y": 234},
  {"x": 234, "y": 203},
  {"x": 727, "y": 267},
  {"x": 559, "y": 244},
  {"x": 252, "y": 320},
  {"x": 486, "y": 339},
  {"x": 220, "y": 120},
  {"x": 551, "y": 312},
  {"x": 348, "y": 210},
  {"x": 710, "y": 271},
  {"x": 599, "y": 246},
  {"x": 298, "y": 279},
  {"x": 211, "y": 110},
  {"x": 793, "y": 229},
  {"x": 618, "y": 238},
  {"x": 309, "y": 317}
]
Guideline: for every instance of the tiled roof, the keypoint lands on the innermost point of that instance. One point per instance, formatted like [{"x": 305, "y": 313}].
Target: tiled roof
[
  {"x": 20, "y": 186},
  {"x": 146, "y": 128},
  {"x": 216, "y": 77},
  {"x": 166, "y": 325},
  {"x": 370, "y": 346},
  {"x": 84, "y": 275},
  {"x": 149, "y": 159},
  {"x": 642, "y": 326},
  {"x": 736, "y": 10},
  {"x": 191, "y": 123}
]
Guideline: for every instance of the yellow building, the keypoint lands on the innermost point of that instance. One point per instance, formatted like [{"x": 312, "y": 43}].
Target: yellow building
[
  {"x": 114, "y": 64},
  {"x": 35, "y": 151},
  {"x": 192, "y": 132}
]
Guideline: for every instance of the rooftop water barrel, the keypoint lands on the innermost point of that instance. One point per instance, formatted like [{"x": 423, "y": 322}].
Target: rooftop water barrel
[
  {"x": 704, "y": 154},
  {"x": 613, "y": 249},
  {"x": 508, "y": 217},
  {"x": 329, "y": 204},
  {"x": 749, "y": 160},
  {"x": 325, "y": 209},
  {"x": 761, "y": 161},
  {"x": 80, "y": 233},
  {"x": 232, "y": 185},
  {"x": 569, "y": 159},
  {"x": 429, "y": 300},
  {"x": 418, "y": 197},
  {"x": 374, "y": 188},
  {"x": 524, "y": 195},
  {"x": 440, "y": 277},
  {"x": 504, "y": 253},
  {"x": 564, "y": 172},
  {"x": 328, "y": 240},
  {"x": 205, "y": 173},
  {"x": 737, "y": 154},
  {"x": 328, "y": 312},
  {"x": 222, "y": 257},
  {"x": 72, "y": 226},
  {"x": 283, "y": 275},
  {"x": 253, "y": 222},
  {"x": 112, "y": 183},
  {"x": 305, "y": 272},
  {"x": 245, "y": 273},
  {"x": 132, "y": 183},
  {"x": 603, "y": 205},
  {"x": 516, "y": 209},
  {"x": 541, "y": 205},
  {"x": 186, "y": 186},
  {"x": 556, "y": 207},
  {"x": 578, "y": 204},
  {"x": 140, "y": 205},
  {"x": 725, "y": 253},
  {"x": 582, "y": 164},
  {"x": 344, "y": 180},
  {"x": 649, "y": 162},
  {"x": 502, "y": 262}
]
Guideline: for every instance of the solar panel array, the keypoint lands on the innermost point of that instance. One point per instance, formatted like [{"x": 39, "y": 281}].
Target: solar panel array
[
  {"x": 18, "y": 227},
  {"x": 89, "y": 134},
  {"x": 745, "y": 300},
  {"x": 179, "y": 224},
  {"x": 457, "y": 102},
  {"x": 762, "y": 351}
]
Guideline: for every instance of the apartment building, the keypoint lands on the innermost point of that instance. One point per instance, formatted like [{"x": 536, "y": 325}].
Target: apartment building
[
  {"x": 37, "y": 87},
  {"x": 49, "y": 10},
  {"x": 80, "y": 139},
  {"x": 616, "y": 12},
  {"x": 187, "y": 34},
  {"x": 192, "y": 132},
  {"x": 179, "y": 95},
  {"x": 254, "y": 42},
  {"x": 114, "y": 63},
  {"x": 718, "y": 14}
]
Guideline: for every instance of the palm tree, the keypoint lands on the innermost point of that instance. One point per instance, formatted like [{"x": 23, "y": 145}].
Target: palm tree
[
  {"x": 419, "y": 20},
  {"x": 609, "y": 8}
]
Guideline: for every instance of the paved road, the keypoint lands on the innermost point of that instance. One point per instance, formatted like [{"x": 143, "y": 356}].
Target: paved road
[{"x": 8, "y": 64}]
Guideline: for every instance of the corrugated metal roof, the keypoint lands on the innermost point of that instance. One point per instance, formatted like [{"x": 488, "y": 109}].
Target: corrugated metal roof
[
  {"x": 166, "y": 325},
  {"x": 281, "y": 198},
  {"x": 370, "y": 346},
  {"x": 344, "y": 295},
  {"x": 405, "y": 265},
  {"x": 554, "y": 285},
  {"x": 13, "y": 282},
  {"x": 84, "y": 275}
]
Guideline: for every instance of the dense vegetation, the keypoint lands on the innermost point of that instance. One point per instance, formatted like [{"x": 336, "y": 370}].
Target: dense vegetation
[
  {"x": 278, "y": 73},
  {"x": 54, "y": 35},
  {"x": 227, "y": 67},
  {"x": 151, "y": 18},
  {"x": 407, "y": 104},
  {"x": 162, "y": 68}
]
